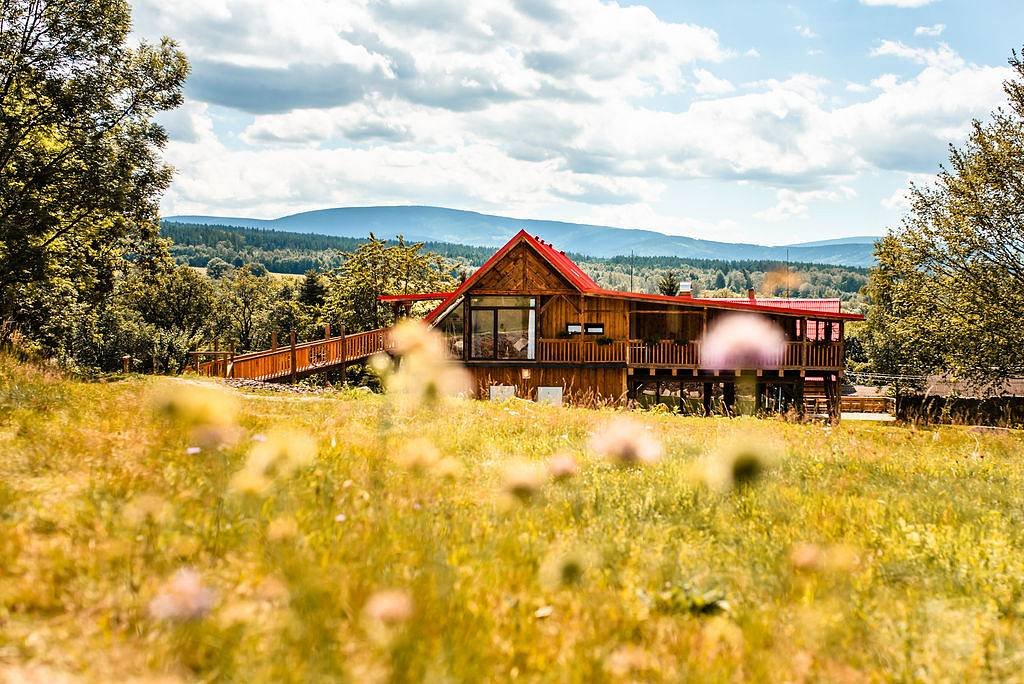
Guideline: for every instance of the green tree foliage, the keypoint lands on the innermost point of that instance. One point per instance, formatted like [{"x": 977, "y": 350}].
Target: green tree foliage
[
  {"x": 80, "y": 172},
  {"x": 668, "y": 283},
  {"x": 247, "y": 299},
  {"x": 378, "y": 268},
  {"x": 217, "y": 268},
  {"x": 949, "y": 288},
  {"x": 313, "y": 289}
]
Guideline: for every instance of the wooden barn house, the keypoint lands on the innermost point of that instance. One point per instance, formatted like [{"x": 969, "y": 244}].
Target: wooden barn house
[{"x": 531, "y": 319}]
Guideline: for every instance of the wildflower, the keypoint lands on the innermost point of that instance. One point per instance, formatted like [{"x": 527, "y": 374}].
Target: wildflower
[
  {"x": 380, "y": 363},
  {"x": 807, "y": 557},
  {"x": 340, "y": 518},
  {"x": 279, "y": 456},
  {"x": 562, "y": 466},
  {"x": 146, "y": 508},
  {"x": 199, "y": 405},
  {"x": 425, "y": 373},
  {"x": 418, "y": 455},
  {"x": 193, "y": 450},
  {"x": 628, "y": 660},
  {"x": 564, "y": 567},
  {"x": 447, "y": 469},
  {"x": 736, "y": 467},
  {"x": 626, "y": 442},
  {"x": 388, "y": 608},
  {"x": 281, "y": 529},
  {"x": 543, "y": 612},
  {"x": 522, "y": 479},
  {"x": 742, "y": 341},
  {"x": 182, "y": 598}
]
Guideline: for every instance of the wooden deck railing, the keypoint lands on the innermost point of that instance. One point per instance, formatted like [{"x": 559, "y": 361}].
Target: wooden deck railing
[
  {"x": 286, "y": 361},
  {"x": 672, "y": 354}
]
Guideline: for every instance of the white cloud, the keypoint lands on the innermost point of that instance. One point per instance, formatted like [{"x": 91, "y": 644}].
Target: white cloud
[
  {"x": 792, "y": 204},
  {"x": 906, "y": 4},
  {"x": 805, "y": 31},
  {"x": 943, "y": 57},
  {"x": 899, "y": 200},
  {"x": 935, "y": 30},
  {"x": 709, "y": 84},
  {"x": 856, "y": 87},
  {"x": 752, "y": 52}
]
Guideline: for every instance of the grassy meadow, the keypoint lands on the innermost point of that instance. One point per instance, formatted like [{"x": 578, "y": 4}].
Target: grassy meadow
[{"x": 169, "y": 529}]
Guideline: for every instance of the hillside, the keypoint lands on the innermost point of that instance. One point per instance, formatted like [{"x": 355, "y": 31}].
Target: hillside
[
  {"x": 439, "y": 224},
  {"x": 137, "y": 549}
]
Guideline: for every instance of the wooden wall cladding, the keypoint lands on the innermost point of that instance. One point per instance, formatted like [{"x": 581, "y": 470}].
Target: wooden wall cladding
[
  {"x": 579, "y": 385},
  {"x": 522, "y": 270},
  {"x": 558, "y": 310}
]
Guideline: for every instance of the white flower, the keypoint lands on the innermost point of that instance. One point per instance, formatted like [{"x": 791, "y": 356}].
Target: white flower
[
  {"x": 183, "y": 597},
  {"x": 626, "y": 442},
  {"x": 738, "y": 341}
]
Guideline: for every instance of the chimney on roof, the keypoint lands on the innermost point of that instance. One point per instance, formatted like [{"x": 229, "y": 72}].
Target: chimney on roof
[
  {"x": 685, "y": 289},
  {"x": 751, "y": 295}
]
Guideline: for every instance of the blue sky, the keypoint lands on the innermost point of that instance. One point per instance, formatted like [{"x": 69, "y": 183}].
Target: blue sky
[{"x": 768, "y": 122}]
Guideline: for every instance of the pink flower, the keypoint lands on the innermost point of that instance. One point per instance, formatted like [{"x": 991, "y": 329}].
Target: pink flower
[
  {"x": 562, "y": 466},
  {"x": 626, "y": 442},
  {"x": 389, "y": 607},
  {"x": 738, "y": 341},
  {"x": 183, "y": 597}
]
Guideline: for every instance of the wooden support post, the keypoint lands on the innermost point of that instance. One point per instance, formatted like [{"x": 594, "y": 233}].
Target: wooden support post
[
  {"x": 798, "y": 396},
  {"x": 758, "y": 397},
  {"x": 231, "y": 361},
  {"x": 707, "y": 399},
  {"x": 344, "y": 353},
  {"x": 729, "y": 398},
  {"x": 327, "y": 331},
  {"x": 273, "y": 341},
  {"x": 125, "y": 362},
  {"x": 294, "y": 375},
  {"x": 657, "y": 392}
]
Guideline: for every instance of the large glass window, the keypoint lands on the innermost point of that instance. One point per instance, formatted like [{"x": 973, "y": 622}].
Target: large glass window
[
  {"x": 503, "y": 328},
  {"x": 453, "y": 328}
]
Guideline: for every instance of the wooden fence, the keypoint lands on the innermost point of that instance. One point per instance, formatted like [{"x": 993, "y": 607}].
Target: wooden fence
[{"x": 292, "y": 360}]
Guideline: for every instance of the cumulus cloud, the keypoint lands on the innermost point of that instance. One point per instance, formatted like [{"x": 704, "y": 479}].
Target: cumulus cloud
[
  {"x": 935, "y": 30},
  {"x": 899, "y": 200},
  {"x": 264, "y": 57},
  {"x": 943, "y": 57},
  {"x": 805, "y": 31},
  {"x": 792, "y": 204},
  {"x": 529, "y": 107},
  {"x": 709, "y": 84}
]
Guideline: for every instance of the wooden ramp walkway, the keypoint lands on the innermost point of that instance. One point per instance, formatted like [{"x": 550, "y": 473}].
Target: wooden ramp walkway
[{"x": 294, "y": 360}]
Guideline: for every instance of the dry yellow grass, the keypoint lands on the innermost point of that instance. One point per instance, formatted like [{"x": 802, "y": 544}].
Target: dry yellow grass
[{"x": 861, "y": 553}]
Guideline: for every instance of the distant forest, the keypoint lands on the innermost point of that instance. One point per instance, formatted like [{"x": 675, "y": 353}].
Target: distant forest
[{"x": 296, "y": 253}]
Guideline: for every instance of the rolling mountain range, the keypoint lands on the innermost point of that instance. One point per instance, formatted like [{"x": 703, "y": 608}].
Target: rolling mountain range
[{"x": 484, "y": 230}]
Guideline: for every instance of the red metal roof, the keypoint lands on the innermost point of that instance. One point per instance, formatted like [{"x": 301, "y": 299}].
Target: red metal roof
[{"x": 815, "y": 308}]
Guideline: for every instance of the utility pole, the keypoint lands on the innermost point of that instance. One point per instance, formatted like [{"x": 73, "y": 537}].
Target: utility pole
[{"x": 630, "y": 270}]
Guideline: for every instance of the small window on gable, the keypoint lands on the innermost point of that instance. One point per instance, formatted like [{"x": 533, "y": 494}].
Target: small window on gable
[
  {"x": 574, "y": 328},
  {"x": 593, "y": 329}
]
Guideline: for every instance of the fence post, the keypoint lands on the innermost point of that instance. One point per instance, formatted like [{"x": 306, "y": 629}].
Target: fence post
[
  {"x": 125, "y": 361},
  {"x": 294, "y": 369},
  {"x": 231, "y": 361},
  {"x": 327, "y": 331},
  {"x": 344, "y": 353},
  {"x": 273, "y": 341}
]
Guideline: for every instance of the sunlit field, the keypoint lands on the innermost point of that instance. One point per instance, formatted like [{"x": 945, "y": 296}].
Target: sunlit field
[{"x": 171, "y": 528}]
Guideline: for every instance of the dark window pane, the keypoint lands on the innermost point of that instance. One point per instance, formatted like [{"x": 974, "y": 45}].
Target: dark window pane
[
  {"x": 482, "y": 331},
  {"x": 516, "y": 334}
]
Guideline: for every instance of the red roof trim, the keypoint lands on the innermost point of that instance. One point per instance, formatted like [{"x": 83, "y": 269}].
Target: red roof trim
[{"x": 586, "y": 285}]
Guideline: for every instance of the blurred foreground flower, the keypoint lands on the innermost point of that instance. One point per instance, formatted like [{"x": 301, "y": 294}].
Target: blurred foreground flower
[
  {"x": 418, "y": 455},
  {"x": 424, "y": 371},
  {"x": 742, "y": 341},
  {"x": 562, "y": 466},
  {"x": 209, "y": 413},
  {"x": 280, "y": 455},
  {"x": 626, "y": 442},
  {"x": 385, "y": 613},
  {"x": 736, "y": 466},
  {"x": 808, "y": 557},
  {"x": 522, "y": 480},
  {"x": 198, "y": 405},
  {"x": 183, "y": 597},
  {"x": 564, "y": 567}
]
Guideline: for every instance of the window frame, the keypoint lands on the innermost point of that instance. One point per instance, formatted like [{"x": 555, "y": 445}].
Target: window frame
[
  {"x": 593, "y": 328},
  {"x": 473, "y": 307}
]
